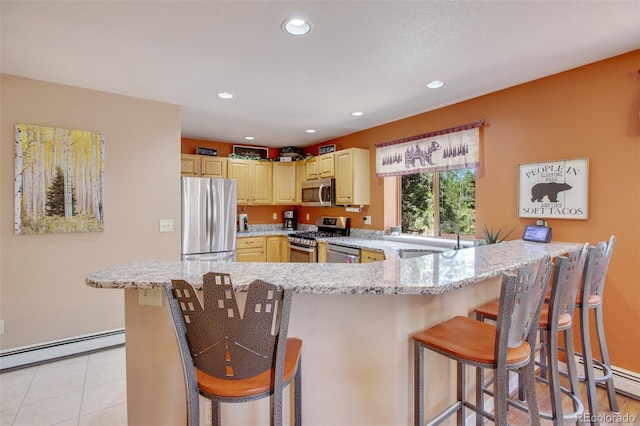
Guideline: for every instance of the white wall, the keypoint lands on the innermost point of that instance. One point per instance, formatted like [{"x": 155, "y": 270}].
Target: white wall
[{"x": 43, "y": 295}]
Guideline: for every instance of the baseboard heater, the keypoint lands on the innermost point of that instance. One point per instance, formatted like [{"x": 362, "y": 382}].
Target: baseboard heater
[
  {"x": 625, "y": 381},
  {"x": 63, "y": 348}
]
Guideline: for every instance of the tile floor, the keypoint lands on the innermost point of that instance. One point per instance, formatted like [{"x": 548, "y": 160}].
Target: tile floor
[{"x": 84, "y": 390}]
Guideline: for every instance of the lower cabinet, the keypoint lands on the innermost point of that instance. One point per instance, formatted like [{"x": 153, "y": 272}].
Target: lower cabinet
[
  {"x": 262, "y": 249},
  {"x": 251, "y": 249},
  {"x": 322, "y": 252},
  {"x": 367, "y": 256}
]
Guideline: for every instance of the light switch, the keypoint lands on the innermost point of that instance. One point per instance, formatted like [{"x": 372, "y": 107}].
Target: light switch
[
  {"x": 367, "y": 220},
  {"x": 166, "y": 225},
  {"x": 275, "y": 215}
]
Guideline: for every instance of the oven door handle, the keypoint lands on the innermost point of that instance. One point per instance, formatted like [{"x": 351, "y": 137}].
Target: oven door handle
[{"x": 306, "y": 249}]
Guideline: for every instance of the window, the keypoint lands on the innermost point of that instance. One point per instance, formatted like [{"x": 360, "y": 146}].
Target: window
[{"x": 429, "y": 199}]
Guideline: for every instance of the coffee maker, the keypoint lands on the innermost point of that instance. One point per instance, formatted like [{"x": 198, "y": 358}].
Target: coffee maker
[{"x": 290, "y": 220}]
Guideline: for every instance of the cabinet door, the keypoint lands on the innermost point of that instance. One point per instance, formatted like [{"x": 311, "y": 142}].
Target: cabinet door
[
  {"x": 300, "y": 176},
  {"x": 344, "y": 177},
  {"x": 284, "y": 183},
  {"x": 326, "y": 165},
  {"x": 367, "y": 256},
  {"x": 213, "y": 167},
  {"x": 240, "y": 171},
  {"x": 322, "y": 252},
  {"x": 273, "y": 249},
  {"x": 262, "y": 183},
  {"x": 311, "y": 169},
  {"x": 189, "y": 165},
  {"x": 284, "y": 249},
  {"x": 250, "y": 255}
]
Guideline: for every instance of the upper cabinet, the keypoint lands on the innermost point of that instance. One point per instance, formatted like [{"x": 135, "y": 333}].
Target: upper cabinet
[
  {"x": 284, "y": 182},
  {"x": 203, "y": 165},
  {"x": 254, "y": 180},
  {"x": 322, "y": 166},
  {"x": 213, "y": 166},
  {"x": 189, "y": 165},
  {"x": 352, "y": 177}
]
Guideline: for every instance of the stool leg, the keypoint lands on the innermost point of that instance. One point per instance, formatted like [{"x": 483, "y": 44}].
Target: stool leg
[
  {"x": 532, "y": 400},
  {"x": 297, "y": 389},
  {"x": 479, "y": 394},
  {"x": 418, "y": 384},
  {"x": 543, "y": 353},
  {"x": 551, "y": 347},
  {"x": 604, "y": 353},
  {"x": 215, "y": 413},
  {"x": 571, "y": 367},
  {"x": 587, "y": 358},
  {"x": 500, "y": 395},
  {"x": 461, "y": 391}
]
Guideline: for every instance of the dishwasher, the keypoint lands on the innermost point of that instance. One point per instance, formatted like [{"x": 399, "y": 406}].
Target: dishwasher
[{"x": 342, "y": 254}]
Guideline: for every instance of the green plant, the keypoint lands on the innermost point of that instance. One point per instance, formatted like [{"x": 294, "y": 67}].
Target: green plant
[{"x": 492, "y": 237}]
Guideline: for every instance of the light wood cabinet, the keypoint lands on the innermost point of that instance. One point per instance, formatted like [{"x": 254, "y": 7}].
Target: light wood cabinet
[
  {"x": 284, "y": 182},
  {"x": 326, "y": 165},
  {"x": 367, "y": 256},
  {"x": 311, "y": 168},
  {"x": 322, "y": 252},
  {"x": 277, "y": 249},
  {"x": 300, "y": 177},
  {"x": 251, "y": 249},
  {"x": 352, "y": 177},
  {"x": 322, "y": 166},
  {"x": 213, "y": 166},
  {"x": 254, "y": 180},
  {"x": 189, "y": 165}
]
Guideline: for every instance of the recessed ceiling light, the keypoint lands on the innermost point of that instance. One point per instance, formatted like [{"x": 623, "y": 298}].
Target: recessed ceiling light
[
  {"x": 225, "y": 95},
  {"x": 249, "y": 138},
  {"x": 296, "y": 26},
  {"x": 310, "y": 130},
  {"x": 357, "y": 113},
  {"x": 435, "y": 84}
]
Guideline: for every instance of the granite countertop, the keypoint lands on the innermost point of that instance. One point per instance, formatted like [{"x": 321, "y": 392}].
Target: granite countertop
[{"x": 431, "y": 274}]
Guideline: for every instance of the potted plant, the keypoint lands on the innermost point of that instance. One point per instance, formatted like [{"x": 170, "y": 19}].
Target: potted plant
[{"x": 493, "y": 237}]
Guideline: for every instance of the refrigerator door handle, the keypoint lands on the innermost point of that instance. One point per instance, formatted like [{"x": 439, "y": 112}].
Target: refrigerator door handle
[{"x": 208, "y": 209}]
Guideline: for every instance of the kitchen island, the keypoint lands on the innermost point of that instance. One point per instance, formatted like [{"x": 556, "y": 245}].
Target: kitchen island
[{"x": 355, "y": 321}]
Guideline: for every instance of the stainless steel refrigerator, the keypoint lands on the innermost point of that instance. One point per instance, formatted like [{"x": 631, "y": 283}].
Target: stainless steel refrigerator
[{"x": 208, "y": 219}]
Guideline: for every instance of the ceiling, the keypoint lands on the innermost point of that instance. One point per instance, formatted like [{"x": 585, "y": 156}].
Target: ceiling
[{"x": 369, "y": 56}]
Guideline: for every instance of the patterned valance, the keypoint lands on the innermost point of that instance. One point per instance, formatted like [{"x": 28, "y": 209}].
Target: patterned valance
[{"x": 448, "y": 149}]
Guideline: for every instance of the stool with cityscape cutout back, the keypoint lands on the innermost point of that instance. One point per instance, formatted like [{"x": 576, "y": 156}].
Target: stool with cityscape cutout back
[
  {"x": 507, "y": 346},
  {"x": 556, "y": 316},
  {"x": 232, "y": 358},
  {"x": 590, "y": 299}
]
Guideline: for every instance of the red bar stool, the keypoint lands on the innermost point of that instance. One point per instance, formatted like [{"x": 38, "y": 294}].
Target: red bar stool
[
  {"x": 229, "y": 358},
  {"x": 556, "y": 316},
  {"x": 507, "y": 346},
  {"x": 590, "y": 299}
]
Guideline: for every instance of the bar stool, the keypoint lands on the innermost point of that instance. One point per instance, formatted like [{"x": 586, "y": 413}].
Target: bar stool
[
  {"x": 507, "y": 346},
  {"x": 229, "y": 358},
  {"x": 556, "y": 316},
  {"x": 590, "y": 299}
]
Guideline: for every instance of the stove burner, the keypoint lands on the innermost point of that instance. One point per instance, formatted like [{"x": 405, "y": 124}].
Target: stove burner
[{"x": 326, "y": 229}]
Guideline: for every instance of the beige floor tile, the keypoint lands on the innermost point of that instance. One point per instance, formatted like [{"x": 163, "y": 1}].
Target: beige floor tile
[
  {"x": 112, "y": 416},
  {"x": 12, "y": 396},
  {"x": 50, "y": 411},
  {"x": 7, "y": 416},
  {"x": 104, "y": 396},
  {"x": 63, "y": 366},
  {"x": 105, "y": 371},
  {"x": 108, "y": 355},
  {"x": 16, "y": 377},
  {"x": 44, "y": 387}
]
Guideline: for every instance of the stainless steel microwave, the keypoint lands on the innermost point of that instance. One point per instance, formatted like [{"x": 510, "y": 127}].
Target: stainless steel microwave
[{"x": 319, "y": 193}]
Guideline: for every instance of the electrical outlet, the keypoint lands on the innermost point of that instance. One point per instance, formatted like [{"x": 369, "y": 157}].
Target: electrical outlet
[
  {"x": 1, "y": 326},
  {"x": 275, "y": 215},
  {"x": 151, "y": 297},
  {"x": 166, "y": 225},
  {"x": 367, "y": 220}
]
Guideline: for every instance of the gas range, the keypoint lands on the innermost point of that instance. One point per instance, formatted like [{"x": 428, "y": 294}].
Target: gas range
[{"x": 327, "y": 227}]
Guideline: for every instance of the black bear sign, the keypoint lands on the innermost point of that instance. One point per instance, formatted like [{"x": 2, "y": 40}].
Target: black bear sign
[{"x": 555, "y": 189}]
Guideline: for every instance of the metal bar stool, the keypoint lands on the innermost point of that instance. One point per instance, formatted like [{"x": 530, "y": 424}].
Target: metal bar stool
[
  {"x": 507, "y": 346},
  {"x": 556, "y": 316},
  {"x": 590, "y": 299},
  {"x": 229, "y": 358}
]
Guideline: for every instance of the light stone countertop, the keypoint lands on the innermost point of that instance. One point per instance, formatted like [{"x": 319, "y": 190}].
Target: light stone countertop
[{"x": 430, "y": 274}]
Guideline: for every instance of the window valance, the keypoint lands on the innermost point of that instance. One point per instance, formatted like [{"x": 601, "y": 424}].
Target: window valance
[{"x": 447, "y": 149}]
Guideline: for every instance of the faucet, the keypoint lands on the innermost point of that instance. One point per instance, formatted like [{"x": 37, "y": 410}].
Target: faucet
[{"x": 457, "y": 229}]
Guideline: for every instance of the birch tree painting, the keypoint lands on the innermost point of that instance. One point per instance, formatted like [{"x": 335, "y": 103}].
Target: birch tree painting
[{"x": 59, "y": 183}]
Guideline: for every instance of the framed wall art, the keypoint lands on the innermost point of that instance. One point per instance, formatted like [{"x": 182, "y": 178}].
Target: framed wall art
[
  {"x": 59, "y": 180},
  {"x": 554, "y": 189},
  {"x": 253, "y": 152}
]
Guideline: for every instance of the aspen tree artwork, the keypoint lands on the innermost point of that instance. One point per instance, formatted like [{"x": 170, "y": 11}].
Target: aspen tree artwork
[{"x": 59, "y": 183}]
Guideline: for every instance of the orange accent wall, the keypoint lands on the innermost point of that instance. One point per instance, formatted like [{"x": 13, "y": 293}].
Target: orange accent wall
[{"x": 591, "y": 111}]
